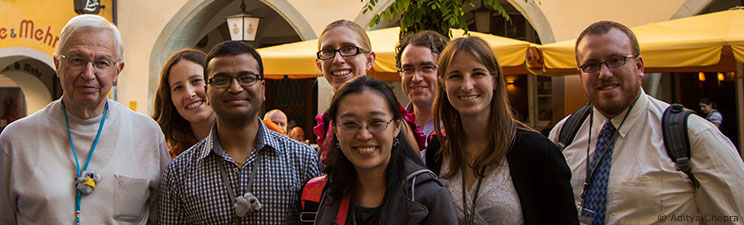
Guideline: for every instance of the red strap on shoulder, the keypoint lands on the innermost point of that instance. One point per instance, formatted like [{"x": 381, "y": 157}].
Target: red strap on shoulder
[
  {"x": 313, "y": 189},
  {"x": 343, "y": 210}
]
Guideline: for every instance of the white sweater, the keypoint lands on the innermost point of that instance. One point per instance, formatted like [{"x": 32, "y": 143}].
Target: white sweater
[{"x": 37, "y": 168}]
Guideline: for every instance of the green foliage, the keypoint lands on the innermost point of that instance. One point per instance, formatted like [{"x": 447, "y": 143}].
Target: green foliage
[{"x": 437, "y": 15}]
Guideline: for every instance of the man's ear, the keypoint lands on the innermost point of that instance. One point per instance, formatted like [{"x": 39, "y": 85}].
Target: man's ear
[
  {"x": 263, "y": 90},
  {"x": 56, "y": 65},
  {"x": 120, "y": 68},
  {"x": 641, "y": 66}
]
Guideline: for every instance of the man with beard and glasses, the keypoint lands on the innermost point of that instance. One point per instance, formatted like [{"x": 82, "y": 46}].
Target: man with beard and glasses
[{"x": 622, "y": 173}]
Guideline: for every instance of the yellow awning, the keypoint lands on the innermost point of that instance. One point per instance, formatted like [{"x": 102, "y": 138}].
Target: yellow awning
[
  {"x": 297, "y": 60},
  {"x": 688, "y": 42}
]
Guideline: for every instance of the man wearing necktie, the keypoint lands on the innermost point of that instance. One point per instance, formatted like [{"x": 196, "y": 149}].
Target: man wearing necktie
[{"x": 622, "y": 173}]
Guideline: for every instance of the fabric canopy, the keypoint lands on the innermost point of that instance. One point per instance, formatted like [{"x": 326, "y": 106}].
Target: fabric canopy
[
  {"x": 297, "y": 60},
  {"x": 696, "y": 42}
]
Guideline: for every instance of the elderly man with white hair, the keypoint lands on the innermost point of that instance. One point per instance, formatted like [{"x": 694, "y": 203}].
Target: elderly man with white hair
[{"x": 83, "y": 158}]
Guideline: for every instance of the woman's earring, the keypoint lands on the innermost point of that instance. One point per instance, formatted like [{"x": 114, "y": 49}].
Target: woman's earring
[
  {"x": 338, "y": 146},
  {"x": 396, "y": 142}
]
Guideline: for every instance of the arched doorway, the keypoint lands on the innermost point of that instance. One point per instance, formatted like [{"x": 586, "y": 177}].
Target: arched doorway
[
  {"x": 12, "y": 102},
  {"x": 27, "y": 82},
  {"x": 202, "y": 24},
  {"x": 530, "y": 96}
]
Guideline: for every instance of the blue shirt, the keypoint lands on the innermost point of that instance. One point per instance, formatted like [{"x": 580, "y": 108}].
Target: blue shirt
[
  {"x": 715, "y": 117},
  {"x": 193, "y": 192}
]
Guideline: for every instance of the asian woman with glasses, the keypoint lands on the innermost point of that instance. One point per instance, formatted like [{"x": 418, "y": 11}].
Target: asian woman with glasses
[
  {"x": 374, "y": 177},
  {"x": 345, "y": 52}
]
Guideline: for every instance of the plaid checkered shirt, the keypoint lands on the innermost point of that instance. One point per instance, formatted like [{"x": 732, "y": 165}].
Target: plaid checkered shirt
[{"x": 193, "y": 192}]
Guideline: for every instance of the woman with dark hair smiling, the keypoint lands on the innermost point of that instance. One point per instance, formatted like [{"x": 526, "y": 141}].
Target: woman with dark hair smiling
[
  {"x": 499, "y": 170},
  {"x": 374, "y": 177}
]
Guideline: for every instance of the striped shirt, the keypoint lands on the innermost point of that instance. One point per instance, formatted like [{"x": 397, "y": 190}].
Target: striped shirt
[{"x": 193, "y": 192}]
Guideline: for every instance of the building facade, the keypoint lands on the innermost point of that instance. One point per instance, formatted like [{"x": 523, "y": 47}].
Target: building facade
[{"x": 152, "y": 30}]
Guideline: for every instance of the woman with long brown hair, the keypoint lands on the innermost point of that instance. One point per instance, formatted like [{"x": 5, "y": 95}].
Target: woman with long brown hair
[
  {"x": 181, "y": 106},
  {"x": 499, "y": 170}
]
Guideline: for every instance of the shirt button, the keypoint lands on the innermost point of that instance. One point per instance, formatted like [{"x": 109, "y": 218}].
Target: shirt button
[{"x": 235, "y": 170}]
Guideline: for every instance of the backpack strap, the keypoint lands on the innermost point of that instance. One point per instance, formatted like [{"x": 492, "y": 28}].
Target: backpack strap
[
  {"x": 412, "y": 178},
  {"x": 310, "y": 198},
  {"x": 572, "y": 125},
  {"x": 432, "y": 155},
  {"x": 343, "y": 210},
  {"x": 676, "y": 141}
]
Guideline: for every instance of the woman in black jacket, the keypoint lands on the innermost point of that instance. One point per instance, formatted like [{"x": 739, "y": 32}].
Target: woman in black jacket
[
  {"x": 374, "y": 177},
  {"x": 499, "y": 170}
]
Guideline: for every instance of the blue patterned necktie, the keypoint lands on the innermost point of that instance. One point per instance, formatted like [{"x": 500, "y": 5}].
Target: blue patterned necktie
[{"x": 596, "y": 194}]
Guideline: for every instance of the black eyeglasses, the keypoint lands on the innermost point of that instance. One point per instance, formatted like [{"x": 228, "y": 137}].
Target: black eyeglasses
[
  {"x": 374, "y": 126},
  {"x": 245, "y": 79},
  {"x": 423, "y": 69},
  {"x": 347, "y": 51},
  {"x": 613, "y": 62}
]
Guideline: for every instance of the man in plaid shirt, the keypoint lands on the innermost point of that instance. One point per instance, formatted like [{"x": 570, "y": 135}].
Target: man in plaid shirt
[{"x": 242, "y": 173}]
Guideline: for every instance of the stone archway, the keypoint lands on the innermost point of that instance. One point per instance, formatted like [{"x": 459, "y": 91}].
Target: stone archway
[
  {"x": 529, "y": 10},
  {"x": 195, "y": 19},
  {"x": 12, "y": 54},
  {"x": 537, "y": 19},
  {"x": 36, "y": 92},
  {"x": 691, "y": 8}
]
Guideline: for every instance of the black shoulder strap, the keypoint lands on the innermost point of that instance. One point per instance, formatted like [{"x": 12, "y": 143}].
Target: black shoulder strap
[
  {"x": 674, "y": 129},
  {"x": 433, "y": 159},
  {"x": 571, "y": 126},
  {"x": 310, "y": 209}
]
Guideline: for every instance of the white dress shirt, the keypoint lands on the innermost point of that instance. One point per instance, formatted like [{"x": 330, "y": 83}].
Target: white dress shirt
[{"x": 644, "y": 186}]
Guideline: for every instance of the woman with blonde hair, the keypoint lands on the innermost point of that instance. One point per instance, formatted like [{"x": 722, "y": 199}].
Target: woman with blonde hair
[
  {"x": 181, "y": 106},
  {"x": 499, "y": 170},
  {"x": 345, "y": 52}
]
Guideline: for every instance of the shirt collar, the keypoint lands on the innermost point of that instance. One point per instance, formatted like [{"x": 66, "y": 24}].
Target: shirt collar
[
  {"x": 421, "y": 127},
  {"x": 266, "y": 140},
  {"x": 635, "y": 113}
]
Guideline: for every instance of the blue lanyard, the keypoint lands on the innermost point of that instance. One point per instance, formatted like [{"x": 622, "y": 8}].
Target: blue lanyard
[{"x": 78, "y": 194}]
